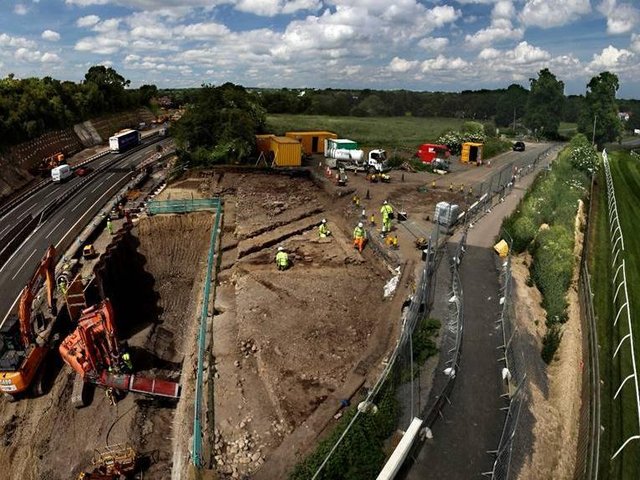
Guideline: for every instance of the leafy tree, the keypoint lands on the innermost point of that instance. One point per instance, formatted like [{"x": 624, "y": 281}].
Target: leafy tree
[
  {"x": 511, "y": 104},
  {"x": 544, "y": 106},
  {"x": 220, "y": 125},
  {"x": 601, "y": 106}
]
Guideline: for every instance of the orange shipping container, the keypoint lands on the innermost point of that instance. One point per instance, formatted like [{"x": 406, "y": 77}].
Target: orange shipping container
[
  {"x": 312, "y": 141},
  {"x": 287, "y": 152}
]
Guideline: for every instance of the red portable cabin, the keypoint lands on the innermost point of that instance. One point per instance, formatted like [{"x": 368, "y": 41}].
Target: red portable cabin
[{"x": 427, "y": 152}]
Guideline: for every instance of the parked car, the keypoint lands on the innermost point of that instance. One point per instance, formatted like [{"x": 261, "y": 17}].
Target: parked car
[{"x": 518, "y": 147}]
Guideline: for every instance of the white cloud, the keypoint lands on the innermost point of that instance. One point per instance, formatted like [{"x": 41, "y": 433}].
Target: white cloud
[
  {"x": 501, "y": 27},
  {"x": 442, "y": 63},
  {"x": 50, "y": 36},
  {"x": 87, "y": 21},
  {"x": 105, "y": 26},
  {"x": 101, "y": 45},
  {"x": 270, "y": 8},
  {"x": 20, "y": 9},
  {"x": 49, "y": 57},
  {"x": 434, "y": 44},
  {"x": 621, "y": 17},
  {"x": 553, "y": 13},
  {"x": 614, "y": 59},
  {"x": 400, "y": 65},
  {"x": 202, "y": 31},
  {"x": 635, "y": 42},
  {"x": 27, "y": 55},
  {"x": 86, "y": 3},
  {"x": 9, "y": 41}
]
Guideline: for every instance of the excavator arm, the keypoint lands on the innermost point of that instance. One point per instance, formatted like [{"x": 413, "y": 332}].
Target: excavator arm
[{"x": 45, "y": 270}]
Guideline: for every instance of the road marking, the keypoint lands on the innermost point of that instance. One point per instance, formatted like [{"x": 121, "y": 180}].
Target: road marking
[
  {"x": 78, "y": 204},
  {"x": 97, "y": 186},
  {"x": 54, "y": 191},
  {"x": 5, "y": 228},
  {"x": 107, "y": 178},
  {"x": 88, "y": 210},
  {"x": 23, "y": 265},
  {"x": 54, "y": 228},
  {"x": 26, "y": 212}
]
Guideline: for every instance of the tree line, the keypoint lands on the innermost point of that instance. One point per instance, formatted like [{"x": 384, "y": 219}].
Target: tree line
[
  {"x": 30, "y": 107},
  {"x": 539, "y": 109}
]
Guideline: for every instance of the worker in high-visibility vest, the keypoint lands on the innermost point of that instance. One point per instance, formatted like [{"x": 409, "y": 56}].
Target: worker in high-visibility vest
[
  {"x": 359, "y": 236},
  {"x": 109, "y": 226},
  {"x": 126, "y": 359},
  {"x": 323, "y": 229},
  {"x": 282, "y": 259},
  {"x": 387, "y": 213}
]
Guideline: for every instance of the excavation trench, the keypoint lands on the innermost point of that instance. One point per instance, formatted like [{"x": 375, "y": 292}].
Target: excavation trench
[{"x": 153, "y": 274}]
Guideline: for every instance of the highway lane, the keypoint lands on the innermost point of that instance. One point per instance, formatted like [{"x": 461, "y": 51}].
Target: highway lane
[
  {"x": 63, "y": 226},
  {"x": 39, "y": 199}
]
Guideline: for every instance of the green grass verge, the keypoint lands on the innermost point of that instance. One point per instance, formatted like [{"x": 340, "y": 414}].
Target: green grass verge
[
  {"x": 551, "y": 200},
  {"x": 404, "y": 133},
  {"x": 619, "y": 417}
]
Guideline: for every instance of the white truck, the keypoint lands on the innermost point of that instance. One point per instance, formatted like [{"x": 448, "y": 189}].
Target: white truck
[{"x": 343, "y": 153}]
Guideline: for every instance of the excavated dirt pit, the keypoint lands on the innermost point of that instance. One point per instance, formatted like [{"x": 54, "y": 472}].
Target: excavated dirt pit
[
  {"x": 154, "y": 278},
  {"x": 285, "y": 342}
]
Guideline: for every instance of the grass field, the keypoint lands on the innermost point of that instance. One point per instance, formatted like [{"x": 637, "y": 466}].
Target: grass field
[
  {"x": 619, "y": 416},
  {"x": 404, "y": 133}
]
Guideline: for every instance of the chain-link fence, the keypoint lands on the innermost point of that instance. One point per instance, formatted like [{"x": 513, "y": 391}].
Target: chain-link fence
[{"x": 513, "y": 374}]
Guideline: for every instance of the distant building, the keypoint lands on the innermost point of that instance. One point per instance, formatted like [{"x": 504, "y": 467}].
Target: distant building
[{"x": 624, "y": 116}]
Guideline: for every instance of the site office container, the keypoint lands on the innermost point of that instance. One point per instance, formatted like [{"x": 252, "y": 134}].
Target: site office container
[
  {"x": 471, "y": 152},
  {"x": 263, "y": 142},
  {"x": 287, "y": 152},
  {"x": 428, "y": 152},
  {"x": 311, "y": 141}
]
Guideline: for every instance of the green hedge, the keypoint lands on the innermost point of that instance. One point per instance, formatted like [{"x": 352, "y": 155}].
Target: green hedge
[{"x": 551, "y": 200}]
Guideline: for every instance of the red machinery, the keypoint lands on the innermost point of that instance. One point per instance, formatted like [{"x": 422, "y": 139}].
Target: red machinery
[
  {"x": 92, "y": 350},
  {"x": 22, "y": 348}
]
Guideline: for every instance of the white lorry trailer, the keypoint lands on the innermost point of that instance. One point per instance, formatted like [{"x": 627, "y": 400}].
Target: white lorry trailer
[{"x": 343, "y": 153}]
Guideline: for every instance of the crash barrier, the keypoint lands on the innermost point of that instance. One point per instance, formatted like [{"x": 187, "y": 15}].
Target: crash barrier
[
  {"x": 628, "y": 392},
  {"x": 14, "y": 237},
  {"x": 155, "y": 207},
  {"x": 589, "y": 427}
]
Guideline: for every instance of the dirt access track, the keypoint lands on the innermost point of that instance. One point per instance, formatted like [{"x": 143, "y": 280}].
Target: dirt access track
[{"x": 154, "y": 279}]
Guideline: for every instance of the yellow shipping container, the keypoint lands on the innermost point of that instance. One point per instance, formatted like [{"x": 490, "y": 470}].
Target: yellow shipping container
[
  {"x": 312, "y": 141},
  {"x": 287, "y": 152},
  {"x": 263, "y": 142},
  {"x": 471, "y": 152}
]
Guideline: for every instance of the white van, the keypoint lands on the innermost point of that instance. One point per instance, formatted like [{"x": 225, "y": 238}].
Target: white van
[{"x": 60, "y": 173}]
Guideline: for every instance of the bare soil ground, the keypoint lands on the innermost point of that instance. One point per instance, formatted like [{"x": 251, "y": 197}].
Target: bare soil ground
[
  {"x": 556, "y": 408},
  {"x": 47, "y": 439},
  {"x": 285, "y": 341}
]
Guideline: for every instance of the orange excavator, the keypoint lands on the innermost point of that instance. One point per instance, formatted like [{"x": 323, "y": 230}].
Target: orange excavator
[
  {"x": 93, "y": 351},
  {"x": 24, "y": 340},
  {"x": 49, "y": 163}
]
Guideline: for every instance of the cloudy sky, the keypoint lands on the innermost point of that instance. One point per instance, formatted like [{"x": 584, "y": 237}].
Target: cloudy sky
[{"x": 381, "y": 44}]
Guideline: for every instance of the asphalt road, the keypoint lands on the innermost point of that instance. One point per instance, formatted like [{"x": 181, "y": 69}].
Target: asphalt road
[{"x": 60, "y": 228}]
